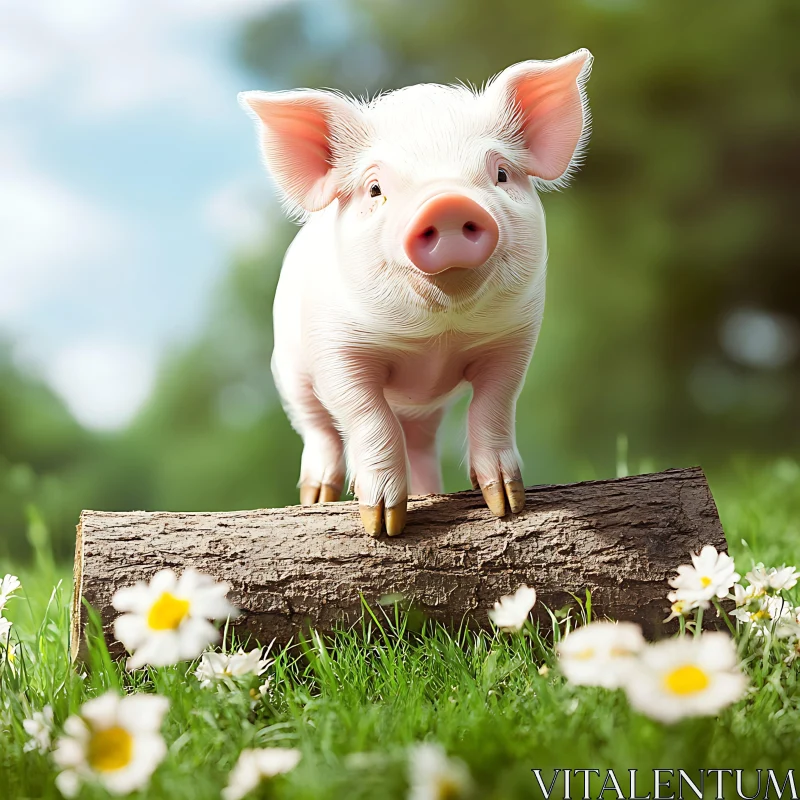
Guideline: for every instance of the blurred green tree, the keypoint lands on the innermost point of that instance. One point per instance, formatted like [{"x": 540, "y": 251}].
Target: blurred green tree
[
  {"x": 40, "y": 446},
  {"x": 674, "y": 295}
]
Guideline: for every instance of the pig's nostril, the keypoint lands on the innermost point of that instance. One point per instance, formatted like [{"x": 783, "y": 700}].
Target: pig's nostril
[
  {"x": 472, "y": 231},
  {"x": 429, "y": 232}
]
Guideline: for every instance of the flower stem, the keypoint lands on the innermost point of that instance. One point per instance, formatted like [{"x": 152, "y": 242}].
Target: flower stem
[
  {"x": 698, "y": 626},
  {"x": 724, "y": 614}
]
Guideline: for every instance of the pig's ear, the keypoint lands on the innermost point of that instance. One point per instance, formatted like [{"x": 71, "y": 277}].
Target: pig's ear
[
  {"x": 549, "y": 107},
  {"x": 299, "y": 131}
]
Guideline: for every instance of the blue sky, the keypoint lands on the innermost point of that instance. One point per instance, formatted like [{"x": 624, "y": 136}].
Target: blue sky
[{"x": 128, "y": 177}]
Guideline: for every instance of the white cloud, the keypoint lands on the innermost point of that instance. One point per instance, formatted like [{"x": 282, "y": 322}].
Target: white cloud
[
  {"x": 103, "y": 382},
  {"x": 50, "y": 233},
  {"x": 20, "y": 68},
  {"x": 88, "y": 63},
  {"x": 239, "y": 212},
  {"x": 216, "y": 9},
  {"x": 110, "y": 57},
  {"x": 137, "y": 77}
]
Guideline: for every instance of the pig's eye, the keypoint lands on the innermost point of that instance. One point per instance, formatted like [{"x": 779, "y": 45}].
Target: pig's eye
[
  {"x": 375, "y": 190},
  {"x": 502, "y": 175}
]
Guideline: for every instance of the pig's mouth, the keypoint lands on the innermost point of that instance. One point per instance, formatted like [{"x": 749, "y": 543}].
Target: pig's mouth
[{"x": 456, "y": 287}]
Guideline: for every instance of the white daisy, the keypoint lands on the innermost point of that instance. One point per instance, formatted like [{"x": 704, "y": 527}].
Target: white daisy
[
  {"x": 168, "y": 619},
  {"x": 678, "y": 607},
  {"x": 762, "y": 610},
  {"x": 743, "y": 595},
  {"x": 684, "y": 677},
  {"x": 8, "y": 586},
  {"x": 40, "y": 729},
  {"x": 711, "y": 574},
  {"x": 771, "y": 579},
  {"x": 5, "y": 627},
  {"x": 600, "y": 653},
  {"x": 218, "y": 666},
  {"x": 254, "y": 766},
  {"x": 794, "y": 651},
  {"x": 512, "y": 611},
  {"x": 788, "y": 627},
  {"x": 434, "y": 776},
  {"x": 115, "y": 741}
]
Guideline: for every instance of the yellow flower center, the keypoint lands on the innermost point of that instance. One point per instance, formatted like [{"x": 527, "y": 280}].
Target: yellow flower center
[
  {"x": 447, "y": 789},
  {"x": 167, "y": 613},
  {"x": 705, "y": 581},
  {"x": 687, "y": 679},
  {"x": 760, "y": 614},
  {"x": 584, "y": 655},
  {"x": 110, "y": 749}
]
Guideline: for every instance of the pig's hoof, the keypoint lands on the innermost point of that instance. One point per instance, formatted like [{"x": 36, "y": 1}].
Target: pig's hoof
[
  {"x": 310, "y": 494},
  {"x": 515, "y": 492},
  {"x": 497, "y": 494},
  {"x": 329, "y": 494},
  {"x": 372, "y": 519},
  {"x": 396, "y": 519},
  {"x": 495, "y": 498}
]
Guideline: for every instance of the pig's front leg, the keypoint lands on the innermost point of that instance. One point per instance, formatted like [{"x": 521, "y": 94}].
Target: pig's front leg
[
  {"x": 376, "y": 454},
  {"x": 497, "y": 376}
]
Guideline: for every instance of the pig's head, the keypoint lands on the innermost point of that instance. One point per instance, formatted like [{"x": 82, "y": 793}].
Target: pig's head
[{"x": 435, "y": 186}]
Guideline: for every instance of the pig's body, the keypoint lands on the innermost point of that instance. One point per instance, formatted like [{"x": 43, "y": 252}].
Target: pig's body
[
  {"x": 388, "y": 307},
  {"x": 426, "y": 359}
]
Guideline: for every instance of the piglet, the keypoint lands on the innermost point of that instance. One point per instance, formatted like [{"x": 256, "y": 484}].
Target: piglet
[{"x": 418, "y": 272}]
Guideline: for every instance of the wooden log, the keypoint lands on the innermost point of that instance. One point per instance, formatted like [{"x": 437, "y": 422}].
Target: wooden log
[{"x": 290, "y": 567}]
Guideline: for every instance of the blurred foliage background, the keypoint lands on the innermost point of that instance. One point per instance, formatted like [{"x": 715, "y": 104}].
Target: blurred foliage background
[{"x": 673, "y": 313}]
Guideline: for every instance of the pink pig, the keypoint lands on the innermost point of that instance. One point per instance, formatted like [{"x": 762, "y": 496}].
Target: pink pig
[{"x": 419, "y": 271}]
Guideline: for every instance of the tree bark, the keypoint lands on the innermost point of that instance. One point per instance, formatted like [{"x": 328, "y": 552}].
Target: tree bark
[{"x": 298, "y": 566}]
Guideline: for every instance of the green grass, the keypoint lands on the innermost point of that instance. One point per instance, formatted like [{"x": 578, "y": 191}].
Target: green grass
[{"x": 355, "y": 703}]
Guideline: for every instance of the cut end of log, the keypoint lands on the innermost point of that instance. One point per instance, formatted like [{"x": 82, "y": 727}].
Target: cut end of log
[
  {"x": 292, "y": 567},
  {"x": 77, "y": 610}
]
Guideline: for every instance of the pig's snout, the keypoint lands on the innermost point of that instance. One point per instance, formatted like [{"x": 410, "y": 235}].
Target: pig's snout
[{"x": 450, "y": 230}]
